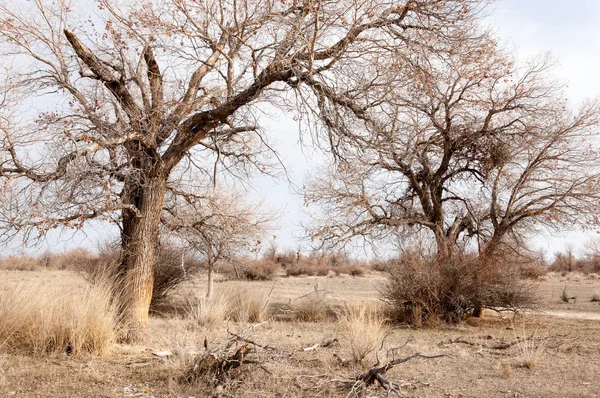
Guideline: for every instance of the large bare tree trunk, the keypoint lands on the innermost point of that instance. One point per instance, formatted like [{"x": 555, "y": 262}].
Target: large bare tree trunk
[
  {"x": 445, "y": 246},
  {"x": 209, "y": 290},
  {"x": 139, "y": 244}
]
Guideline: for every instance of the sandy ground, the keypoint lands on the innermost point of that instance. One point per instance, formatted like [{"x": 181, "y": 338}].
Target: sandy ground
[{"x": 564, "y": 360}]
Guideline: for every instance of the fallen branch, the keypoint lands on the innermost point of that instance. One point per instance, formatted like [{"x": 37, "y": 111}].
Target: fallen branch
[
  {"x": 496, "y": 346},
  {"x": 237, "y": 337},
  {"x": 217, "y": 366},
  {"x": 376, "y": 375},
  {"x": 327, "y": 342}
]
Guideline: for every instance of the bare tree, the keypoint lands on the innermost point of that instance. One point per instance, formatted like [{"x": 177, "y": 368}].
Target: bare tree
[
  {"x": 462, "y": 144},
  {"x": 141, "y": 92},
  {"x": 222, "y": 225}
]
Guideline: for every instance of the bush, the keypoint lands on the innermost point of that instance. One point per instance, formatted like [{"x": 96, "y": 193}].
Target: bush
[
  {"x": 421, "y": 290},
  {"x": 49, "y": 320},
  {"x": 174, "y": 266},
  {"x": 76, "y": 260},
  {"x": 260, "y": 271},
  {"x": 309, "y": 268}
]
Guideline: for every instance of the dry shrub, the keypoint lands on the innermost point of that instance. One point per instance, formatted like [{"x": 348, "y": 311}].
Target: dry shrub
[
  {"x": 532, "y": 271},
  {"x": 379, "y": 266},
  {"x": 260, "y": 271},
  {"x": 79, "y": 259},
  {"x": 49, "y": 320},
  {"x": 429, "y": 290},
  {"x": 207, "y": 312},
  {"x": 174, "y": 265},
  {"x": 317, "y": 263},
  {"x": 306, "y": 268},
  {"x": 365, "y": 325},
  {"x": 353, "y": 270},
  {"x": 595, "y": 298},
  {"x": 312, "y": 308},
  {"x": 19, "y": 263}
]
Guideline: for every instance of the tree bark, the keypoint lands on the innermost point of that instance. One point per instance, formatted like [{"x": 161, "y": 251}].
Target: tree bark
[
  {"x": 139, "y": 243},
  {"x": 209, "y": 289},
  {"x": 445, "y": 246}
]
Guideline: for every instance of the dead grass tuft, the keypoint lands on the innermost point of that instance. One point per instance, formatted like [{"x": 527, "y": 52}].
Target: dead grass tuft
[
  {"x": 506, "y": 370},
  {"x": 248, "y": 306},
  {"x": 49, "y": 320},
  {"x": 365, "y": 325},
  {"x": 312, "y": 308},
  {"x": 207, "y": 312},
  {"x": 237, "y": 306},
  {"x": 2, "y": 375},
  {"x": 530, "y": 349}
]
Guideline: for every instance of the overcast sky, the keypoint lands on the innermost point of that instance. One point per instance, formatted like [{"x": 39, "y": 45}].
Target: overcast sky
[{"x": 569, "y": 30}]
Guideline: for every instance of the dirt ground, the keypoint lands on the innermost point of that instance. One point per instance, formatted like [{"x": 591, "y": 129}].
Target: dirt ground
[{"x": 563, "y": 359}]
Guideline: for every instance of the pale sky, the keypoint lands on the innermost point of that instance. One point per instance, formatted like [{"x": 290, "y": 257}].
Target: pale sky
[{"x": 568, "y": 30}]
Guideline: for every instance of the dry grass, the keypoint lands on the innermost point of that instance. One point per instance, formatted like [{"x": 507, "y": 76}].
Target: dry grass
[
  {"x": 2, "y": 375},
  {"x": 49, "y": 320},
  {"x": 566, "y": 365},
  {"x": 312, "y": 308},
  {"x": 207, "y": 312},
  {"x": 530, "y": 349},
  {"x": 248, "y": 306},
  {"x": 237, "y": 306},
  {"x": 365, "y": 325},
  {"x": 506, "y": 370}
]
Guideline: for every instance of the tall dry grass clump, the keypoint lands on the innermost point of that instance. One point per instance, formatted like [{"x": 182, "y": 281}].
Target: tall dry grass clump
[
  {"x": 229, "y": 304},
  {"x": 312, "y": 308},
  {"x": 207, "y": 312},
  {"x": 49, "y": 320},
  {"x": 248, "y": 306},
  {"x": 364, "y": 324}
]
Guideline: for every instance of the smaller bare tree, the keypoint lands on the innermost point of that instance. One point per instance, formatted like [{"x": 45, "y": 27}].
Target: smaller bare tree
[{"x": 221, "y": 225}]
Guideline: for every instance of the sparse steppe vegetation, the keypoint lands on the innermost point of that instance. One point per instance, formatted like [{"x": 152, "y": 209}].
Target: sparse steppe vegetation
[{"x": 554, "y": 356}]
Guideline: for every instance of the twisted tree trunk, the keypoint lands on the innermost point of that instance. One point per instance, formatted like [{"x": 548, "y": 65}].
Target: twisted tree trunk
[{"x": 139, "y": 243}]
